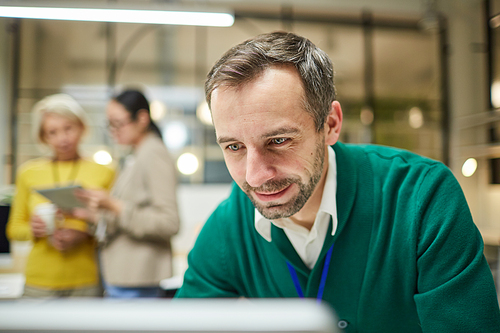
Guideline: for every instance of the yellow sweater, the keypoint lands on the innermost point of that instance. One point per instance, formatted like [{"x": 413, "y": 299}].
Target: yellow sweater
[{"x": 47, "y": 267}]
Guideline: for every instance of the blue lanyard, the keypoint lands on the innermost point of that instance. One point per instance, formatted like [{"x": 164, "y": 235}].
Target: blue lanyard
[{"x": 324, "y": 274}]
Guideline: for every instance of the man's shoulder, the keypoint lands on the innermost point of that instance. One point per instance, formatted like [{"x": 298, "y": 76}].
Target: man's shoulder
[
  {"x": 382, "y": 164},
  {"x": 380, "y": 155}
]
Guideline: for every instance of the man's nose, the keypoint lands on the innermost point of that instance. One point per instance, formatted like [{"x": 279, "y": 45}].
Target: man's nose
[{"x": 260, "y": 167}]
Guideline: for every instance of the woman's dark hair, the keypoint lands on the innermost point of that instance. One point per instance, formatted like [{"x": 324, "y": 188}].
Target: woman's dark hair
[{"x": 134, "y": 101}]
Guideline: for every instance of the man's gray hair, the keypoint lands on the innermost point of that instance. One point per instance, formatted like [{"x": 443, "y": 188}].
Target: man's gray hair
[{"x": 246, "y": 61}]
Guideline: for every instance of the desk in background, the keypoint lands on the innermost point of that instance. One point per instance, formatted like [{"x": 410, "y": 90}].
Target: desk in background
[{"x": 12, "y": 270}]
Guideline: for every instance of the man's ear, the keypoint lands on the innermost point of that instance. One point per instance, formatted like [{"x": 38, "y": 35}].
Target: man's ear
[
  {"x": 333, "y": 124},
  {"x": 143, "y": 118}
]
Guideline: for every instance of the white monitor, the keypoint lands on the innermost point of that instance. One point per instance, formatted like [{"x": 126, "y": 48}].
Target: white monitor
[{"x": 166, "y": 315}]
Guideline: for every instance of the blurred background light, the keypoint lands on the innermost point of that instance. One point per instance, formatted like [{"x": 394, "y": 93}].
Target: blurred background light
[
  {"x": 469, "y": 167},
  {"x": 203, "y": 113},
  {"x": 495, "y": 94},
  {"x": 158, "y": 110},
  {"x": 175, "y": 135},
  {"x": 103, "y": 157},
  {"x": 366, "y": 116},
  {"x": 187, "y": 163},
  {"x": 415, "y": 117},
  {"x": 120, "y": 15}
]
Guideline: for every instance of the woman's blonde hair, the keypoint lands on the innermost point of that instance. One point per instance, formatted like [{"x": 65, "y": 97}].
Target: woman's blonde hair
[{"x": 61, "y": 104}]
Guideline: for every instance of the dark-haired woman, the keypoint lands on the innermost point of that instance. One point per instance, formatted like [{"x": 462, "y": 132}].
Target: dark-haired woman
[{"x": 139, "y": 216}]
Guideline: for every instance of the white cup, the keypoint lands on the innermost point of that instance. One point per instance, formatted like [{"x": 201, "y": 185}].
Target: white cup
[{"x": 47, "y": 212}]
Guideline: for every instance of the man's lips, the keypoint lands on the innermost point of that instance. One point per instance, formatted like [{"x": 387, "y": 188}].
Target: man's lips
[{"x": 266, "y": 196}]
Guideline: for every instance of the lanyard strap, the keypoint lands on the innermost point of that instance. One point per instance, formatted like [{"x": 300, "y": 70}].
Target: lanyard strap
[{"x": 324, "y": 274}]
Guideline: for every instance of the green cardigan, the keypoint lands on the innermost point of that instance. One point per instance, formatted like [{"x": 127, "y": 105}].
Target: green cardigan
[{"x": 407, "y": 255}]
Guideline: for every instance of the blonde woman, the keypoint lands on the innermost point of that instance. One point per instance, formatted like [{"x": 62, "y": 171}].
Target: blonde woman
[{"x": 62, "y": 262}]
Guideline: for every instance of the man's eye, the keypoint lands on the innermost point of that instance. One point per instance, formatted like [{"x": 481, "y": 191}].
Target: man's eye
[
  {"x": 234, "y": 147},
  {"x": 279, "y": 141}
]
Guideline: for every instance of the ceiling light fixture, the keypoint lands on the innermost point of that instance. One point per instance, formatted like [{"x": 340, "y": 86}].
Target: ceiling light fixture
[{"x": 174, "y": 17}]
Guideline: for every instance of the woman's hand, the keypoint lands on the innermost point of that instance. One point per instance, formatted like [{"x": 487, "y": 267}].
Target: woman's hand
[
  {"x": 67, "y": 239},
  {"x": 98, "y": 199},
  {"x": 84, "y": 214},
  {"x": 38, "y": 227}
]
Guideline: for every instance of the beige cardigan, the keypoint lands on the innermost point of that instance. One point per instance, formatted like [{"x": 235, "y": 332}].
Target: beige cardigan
[{"x": 137, "y": 250}]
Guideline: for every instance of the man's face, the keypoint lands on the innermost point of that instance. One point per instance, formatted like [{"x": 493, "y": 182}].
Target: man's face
[{"x": 269, "y": 141}]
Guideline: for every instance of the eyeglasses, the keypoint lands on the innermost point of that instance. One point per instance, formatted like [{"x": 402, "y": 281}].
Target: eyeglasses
[{"x": 117, "y": 125}]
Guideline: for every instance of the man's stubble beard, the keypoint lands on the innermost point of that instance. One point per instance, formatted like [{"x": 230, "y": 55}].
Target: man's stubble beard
[{"x": 273, "y": 211}]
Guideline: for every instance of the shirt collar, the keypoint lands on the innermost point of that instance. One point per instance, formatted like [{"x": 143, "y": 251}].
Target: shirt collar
[{"x": 328, "y": 201}]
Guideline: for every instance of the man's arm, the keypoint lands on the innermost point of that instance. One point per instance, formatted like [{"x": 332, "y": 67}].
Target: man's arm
[
  {"x": 455, "y": 288},
  {"x": 208, "y": 274}
]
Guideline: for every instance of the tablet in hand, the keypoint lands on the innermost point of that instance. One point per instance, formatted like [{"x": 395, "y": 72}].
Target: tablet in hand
[{"x": 63, "y": 197}]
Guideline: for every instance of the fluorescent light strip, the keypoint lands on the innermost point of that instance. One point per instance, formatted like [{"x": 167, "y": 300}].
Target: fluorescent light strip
[{"x": 120, "y": 15}]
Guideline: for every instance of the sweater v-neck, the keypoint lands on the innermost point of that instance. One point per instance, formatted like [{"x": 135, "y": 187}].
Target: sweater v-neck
[{"x": 346, "y": 193}]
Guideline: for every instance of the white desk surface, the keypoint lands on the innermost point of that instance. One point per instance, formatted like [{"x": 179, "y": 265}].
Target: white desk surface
[{"x": 11, "y": 285}]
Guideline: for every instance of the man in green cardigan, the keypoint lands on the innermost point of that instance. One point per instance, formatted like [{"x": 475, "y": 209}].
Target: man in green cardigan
[{"x": 381, "y": 234}]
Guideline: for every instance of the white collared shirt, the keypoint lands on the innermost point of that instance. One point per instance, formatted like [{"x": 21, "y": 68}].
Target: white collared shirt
[{"x": 307, "y": 243}]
